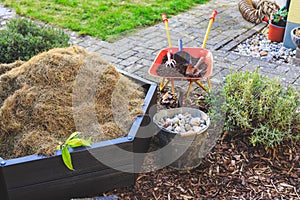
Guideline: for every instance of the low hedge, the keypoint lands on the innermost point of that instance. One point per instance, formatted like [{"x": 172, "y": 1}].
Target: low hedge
[{"x": 24, "y": 39}]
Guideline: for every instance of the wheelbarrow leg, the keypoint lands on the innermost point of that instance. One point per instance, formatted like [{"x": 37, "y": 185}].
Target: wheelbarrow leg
[
  {"x": 163, "y": 84},
  {"x": 201, "y": 85},
  {"x": 189, "y": 89},
  {"x": 209, "y": 83},
  {"x": 173, "y": 87}
]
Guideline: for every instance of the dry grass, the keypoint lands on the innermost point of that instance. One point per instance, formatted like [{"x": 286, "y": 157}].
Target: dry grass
[{"x": 61, "y": 91}]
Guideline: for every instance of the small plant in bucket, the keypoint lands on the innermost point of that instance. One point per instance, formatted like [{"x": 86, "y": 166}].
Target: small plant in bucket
[{"x": 72, "y": 142}]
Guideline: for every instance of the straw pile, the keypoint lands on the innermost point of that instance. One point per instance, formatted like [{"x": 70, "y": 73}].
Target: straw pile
[
  {"x": 6, "y": 67},
  {"x": 61, "y": 91}
]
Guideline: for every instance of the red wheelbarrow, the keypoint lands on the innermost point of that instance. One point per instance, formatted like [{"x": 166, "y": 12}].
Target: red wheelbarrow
[
  {"x": 201, "y": 63},
  {"x": 196, "y": 53}
]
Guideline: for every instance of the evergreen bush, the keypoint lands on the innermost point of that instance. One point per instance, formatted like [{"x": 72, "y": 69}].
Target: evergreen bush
[{"x": 24, "y": 39}]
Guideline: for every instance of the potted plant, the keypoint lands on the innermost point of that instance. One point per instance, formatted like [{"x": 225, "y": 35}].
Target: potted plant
[{"x": 277, "y": 25}]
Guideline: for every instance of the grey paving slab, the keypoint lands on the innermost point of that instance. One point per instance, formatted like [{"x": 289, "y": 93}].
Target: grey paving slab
[
  {"x": 231, "y": 57},
  {"x": 297, "y": 83}
]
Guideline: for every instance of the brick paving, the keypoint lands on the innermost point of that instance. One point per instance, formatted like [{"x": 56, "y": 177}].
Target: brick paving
[{"x": 135, "y": 53}]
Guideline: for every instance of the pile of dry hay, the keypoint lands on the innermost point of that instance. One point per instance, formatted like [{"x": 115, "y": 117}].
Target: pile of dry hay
[{"x": 61, "y": 91}]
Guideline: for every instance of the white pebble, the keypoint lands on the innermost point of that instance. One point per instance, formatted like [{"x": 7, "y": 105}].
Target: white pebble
[
  {"x": 169, "y": 121},
  {"x": 180, "y": 116},
  {"x": 195, "y": 121},
  {"x": 187, "y": 127},
  {"x": 202, "y": 126},
  {"x": 175, "y": 120},
  {"x": 181, "y": 122}
]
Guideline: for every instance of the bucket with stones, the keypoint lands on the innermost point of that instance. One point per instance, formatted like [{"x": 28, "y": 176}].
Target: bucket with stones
[{"x": 184, "y": 131}]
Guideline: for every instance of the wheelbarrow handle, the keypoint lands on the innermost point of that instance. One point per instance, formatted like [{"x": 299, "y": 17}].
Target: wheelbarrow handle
[
  {"x": 164, "y": 17},
  {"x": 213, "y": 15},
  {"x": 211, "y": 20},
  {"x": 165, "y": 20}
]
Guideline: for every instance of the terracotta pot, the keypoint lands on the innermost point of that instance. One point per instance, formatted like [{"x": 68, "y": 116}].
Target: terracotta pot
[{"x": 276, "y": 33}]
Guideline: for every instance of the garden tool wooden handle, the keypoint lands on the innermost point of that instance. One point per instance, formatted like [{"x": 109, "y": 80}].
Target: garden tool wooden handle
[
  {"x": 180, "y": 45},
  {"x": 200, "y": 62}
]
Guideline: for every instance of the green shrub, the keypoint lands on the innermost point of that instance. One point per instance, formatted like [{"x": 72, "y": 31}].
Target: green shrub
[
  {"x": 24, "y": 39},
  {"x": 261, "y": 106}
]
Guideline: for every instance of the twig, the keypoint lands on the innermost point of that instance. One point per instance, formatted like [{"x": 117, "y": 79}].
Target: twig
[
  {"x": 274, "y": 153},
  {"x": 243, "y": 154},
  {"x": 267, "y": 159},
  {"x": 296, "y": 193},
  {"x": 139, "y": 177},
  {"x": 276, "y": 189},
  {"x": 291, "y": 169},
  {"x": 186, "y": 196},
  {"x": 156, "y": 198}
]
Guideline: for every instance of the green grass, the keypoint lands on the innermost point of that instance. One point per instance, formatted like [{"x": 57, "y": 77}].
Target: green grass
[{"x": 105, "y": 19}]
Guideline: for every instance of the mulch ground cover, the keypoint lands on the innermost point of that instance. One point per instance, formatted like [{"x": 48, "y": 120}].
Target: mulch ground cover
[{"x": 234, "y": 169}]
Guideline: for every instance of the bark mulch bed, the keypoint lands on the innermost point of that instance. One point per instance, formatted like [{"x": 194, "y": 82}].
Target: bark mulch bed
[{"x": 234, "y": 169}]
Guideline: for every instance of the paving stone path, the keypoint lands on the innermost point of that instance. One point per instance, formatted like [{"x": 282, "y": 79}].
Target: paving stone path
[{"x": 136, "y": 53}]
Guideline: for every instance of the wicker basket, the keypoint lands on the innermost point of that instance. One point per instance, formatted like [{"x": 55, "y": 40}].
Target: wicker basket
[{"x": 254, "y": 10}]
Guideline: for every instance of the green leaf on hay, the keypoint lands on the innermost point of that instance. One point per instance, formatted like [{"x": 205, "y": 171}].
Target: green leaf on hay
[
  {"x": 78, "y": 142},
  {"x": 66, "y": 156},
  {"x": 72, "y": 142},
  {"x": 72, "y": 136}
]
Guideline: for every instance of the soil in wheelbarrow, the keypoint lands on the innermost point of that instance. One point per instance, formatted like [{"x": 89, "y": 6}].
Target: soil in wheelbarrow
[
  {"x": 42, "y": 101},
  {"x": 181, "y": 67}
]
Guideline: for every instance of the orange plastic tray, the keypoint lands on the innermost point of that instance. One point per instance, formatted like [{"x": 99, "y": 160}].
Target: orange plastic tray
[{"x": 194, "y": 52}]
